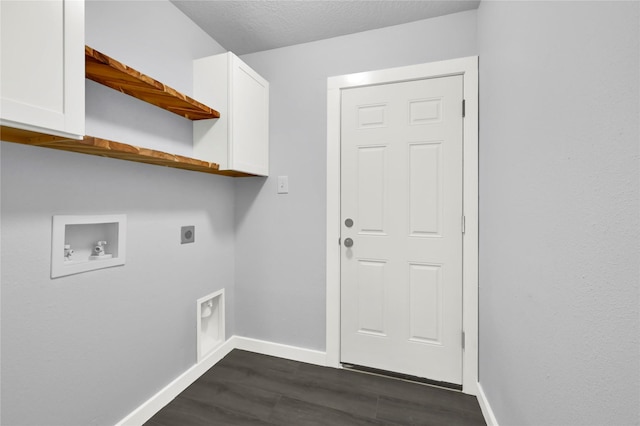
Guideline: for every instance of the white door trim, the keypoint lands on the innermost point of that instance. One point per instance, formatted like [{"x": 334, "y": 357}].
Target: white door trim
[{"x": 468, "y": 68}]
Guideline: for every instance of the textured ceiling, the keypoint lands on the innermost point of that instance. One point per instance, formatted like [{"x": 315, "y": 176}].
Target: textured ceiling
[{"x": 251, "y": 26}]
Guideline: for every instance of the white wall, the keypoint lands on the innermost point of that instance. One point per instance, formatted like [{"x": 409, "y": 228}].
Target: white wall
[
  {"x": 280, "y": 267},
  {"x": 559, "y": 211},
  {"x": 87, "y": 349}
]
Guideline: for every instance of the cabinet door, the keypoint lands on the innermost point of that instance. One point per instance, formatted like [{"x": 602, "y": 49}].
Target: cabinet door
[
  {"x": 249, "y": 141},
  {"x": 42, "y": 74}
]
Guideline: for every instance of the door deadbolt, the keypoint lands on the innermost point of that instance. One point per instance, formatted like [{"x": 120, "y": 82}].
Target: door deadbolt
[
  {"x": 348, "y": 223},
  {"x": 348, "y": 242}
]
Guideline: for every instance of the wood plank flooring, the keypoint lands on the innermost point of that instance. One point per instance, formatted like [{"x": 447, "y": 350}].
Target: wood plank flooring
[{"x": 252, "y": 389}]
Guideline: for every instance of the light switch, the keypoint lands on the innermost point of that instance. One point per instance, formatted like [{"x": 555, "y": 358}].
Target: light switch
[{"x": 283, "y": 184}]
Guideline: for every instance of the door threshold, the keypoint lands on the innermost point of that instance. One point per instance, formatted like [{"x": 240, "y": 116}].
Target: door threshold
[{"x": 400, "y": 376}]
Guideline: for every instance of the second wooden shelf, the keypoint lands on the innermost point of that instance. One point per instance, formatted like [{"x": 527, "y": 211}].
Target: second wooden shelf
[{"x": 118, "y": 76}]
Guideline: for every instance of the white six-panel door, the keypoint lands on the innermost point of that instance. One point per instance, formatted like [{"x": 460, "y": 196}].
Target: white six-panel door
[{"x": 401, "y": 209}]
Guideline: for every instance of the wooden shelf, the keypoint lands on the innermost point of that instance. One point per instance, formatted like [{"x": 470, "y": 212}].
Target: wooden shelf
[
  {"x": 105, "y": 148},
  {"x": 118, "y": 76},
  {"x": 105, "y": 70}
]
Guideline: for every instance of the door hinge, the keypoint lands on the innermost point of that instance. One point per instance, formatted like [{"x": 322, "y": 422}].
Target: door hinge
[
  {"x": 463, "y": 339},
  {"x": 339, "y": 241},
  {"x": 464, "y": 225},
  {"x": 464, "y": 108}
]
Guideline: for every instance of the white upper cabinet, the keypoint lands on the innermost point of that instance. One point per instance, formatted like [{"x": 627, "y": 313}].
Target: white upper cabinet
[
  {"x": 239, "y": 139},
  {"x": 42, "y": 75}
]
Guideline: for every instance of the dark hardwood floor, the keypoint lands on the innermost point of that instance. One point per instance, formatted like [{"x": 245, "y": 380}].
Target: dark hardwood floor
[{"x": 251, "y": 389}]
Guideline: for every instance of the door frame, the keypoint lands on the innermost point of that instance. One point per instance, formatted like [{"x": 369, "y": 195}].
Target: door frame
[{"x": 468, "y": 69}]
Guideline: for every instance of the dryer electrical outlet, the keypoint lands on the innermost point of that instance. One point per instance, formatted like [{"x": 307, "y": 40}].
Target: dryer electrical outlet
[{"x": 187, "y": 234}]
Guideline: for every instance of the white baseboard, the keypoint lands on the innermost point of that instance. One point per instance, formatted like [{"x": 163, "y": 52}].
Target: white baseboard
[
  {"x": 154, "y": 404},
  {"x": 487, "y": 412},
  {"x": 281, "y": 351}
]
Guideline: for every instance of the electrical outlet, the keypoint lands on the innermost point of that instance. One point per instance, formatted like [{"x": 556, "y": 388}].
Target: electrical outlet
[{"x": 187, "y": 234}]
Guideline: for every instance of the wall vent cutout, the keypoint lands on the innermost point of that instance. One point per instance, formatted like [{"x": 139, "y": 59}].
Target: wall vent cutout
[{"x": 210, "y": 323}]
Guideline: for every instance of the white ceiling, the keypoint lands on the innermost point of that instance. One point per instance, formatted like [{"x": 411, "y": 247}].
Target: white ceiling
[{"x": 247, "y": 26}]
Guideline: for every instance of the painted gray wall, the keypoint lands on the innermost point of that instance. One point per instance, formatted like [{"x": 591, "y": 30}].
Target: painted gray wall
[
  {"x": 280, "y": 239},
  {"x": 559, "y": 211},
  {"x": 87, "y": 349}
]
